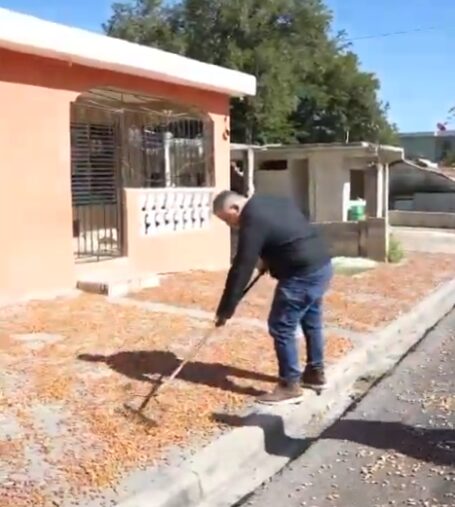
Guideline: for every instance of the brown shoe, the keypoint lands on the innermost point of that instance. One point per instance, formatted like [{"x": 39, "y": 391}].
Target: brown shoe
[
  {"x": 284, "y": 394},
  {"x": 314, "y": 378}
]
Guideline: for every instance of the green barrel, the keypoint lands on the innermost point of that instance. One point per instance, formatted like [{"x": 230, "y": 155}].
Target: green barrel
[{"x": 356, "y": 212}]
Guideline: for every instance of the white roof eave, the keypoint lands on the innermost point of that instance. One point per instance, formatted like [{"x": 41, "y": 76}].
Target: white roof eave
[{"x": 28, "y": 34}]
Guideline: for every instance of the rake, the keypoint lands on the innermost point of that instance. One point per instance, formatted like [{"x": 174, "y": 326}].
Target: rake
[{"x": 163, "y": 381}]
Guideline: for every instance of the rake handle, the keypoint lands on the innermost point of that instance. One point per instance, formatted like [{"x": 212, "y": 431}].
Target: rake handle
[
  {"x": 161, "y": 382},
  {"x": 192, "y": 353}
]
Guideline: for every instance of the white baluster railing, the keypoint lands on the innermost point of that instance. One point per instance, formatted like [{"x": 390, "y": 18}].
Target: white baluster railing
[{"x": 168, "y": 210}]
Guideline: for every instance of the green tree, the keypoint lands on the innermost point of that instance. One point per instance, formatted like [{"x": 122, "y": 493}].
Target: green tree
[
  {"x": 339, "y": 102},
  {"x": 310, "y": 87},
  {"x": 147, "y": 22}
]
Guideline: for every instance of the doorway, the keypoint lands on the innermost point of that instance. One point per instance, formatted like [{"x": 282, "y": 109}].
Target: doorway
[{"x": 301, "y": 179}]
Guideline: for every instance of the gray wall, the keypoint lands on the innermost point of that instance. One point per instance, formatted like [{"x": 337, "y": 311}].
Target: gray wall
[
  {"x": 357, "y": 239},
  {"x": 426, "y": 240},
  {"x": 419, "y": 146},
  {"x": 328, "y": 175},
  {"x": 428, "y": 146},
  {"x": 444, "y": 202},
  {"x": 349, "y": 239},
  {"x": 433, "y": 202},
  {"x": 422, "y": 219}
]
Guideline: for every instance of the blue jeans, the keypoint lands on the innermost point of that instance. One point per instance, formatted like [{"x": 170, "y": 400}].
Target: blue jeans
[{"x": 298, "y": 301}]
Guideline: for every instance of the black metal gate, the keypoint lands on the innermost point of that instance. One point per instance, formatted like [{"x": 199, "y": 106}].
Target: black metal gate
[{"x": 96, "y": 182}]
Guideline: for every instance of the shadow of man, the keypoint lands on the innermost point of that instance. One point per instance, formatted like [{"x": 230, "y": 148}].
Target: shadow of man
[
  {"x": 276, "y": 441},
  {"x": 435, "y": 446},
  {"x": 141, "y": 365}
]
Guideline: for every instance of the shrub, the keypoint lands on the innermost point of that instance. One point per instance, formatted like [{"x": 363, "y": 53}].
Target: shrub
[{"x": 396, "y": 252}]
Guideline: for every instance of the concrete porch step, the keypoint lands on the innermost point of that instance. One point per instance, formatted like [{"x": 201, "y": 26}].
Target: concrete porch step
[{"x": 113, "y": 278}]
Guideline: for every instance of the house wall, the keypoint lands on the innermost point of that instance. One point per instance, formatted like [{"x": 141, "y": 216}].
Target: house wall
[
  {"x": 172, "y": 251},
  {"x": 429, "y": 146},
  {"x": 320, "y": 193},
  {"x": 273, "y": 182},
  {"x": 442, "y": 202},
  {"x": 357, "y": 239},
  {"x": 444, "y": 146},
  {"x": 343, "y": 238},
  {"x": 419, "y": 146},
  {"x": 300, "y": 182},
  {"x": 35, "y": 184},
  {"x": 319, "y": 180},
  {"x": 431, "y": 202},
  {"x": 329, "y": 175}
]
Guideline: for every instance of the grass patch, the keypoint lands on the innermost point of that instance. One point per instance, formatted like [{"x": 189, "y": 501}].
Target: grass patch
[{"x": 396, "y": 252}]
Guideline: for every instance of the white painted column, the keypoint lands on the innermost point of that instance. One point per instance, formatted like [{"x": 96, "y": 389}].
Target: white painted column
[
  {"x": 346, "y": 200},
  {"x": 248, "y": 173},
  {"x": 381, "y": 188},
  {"x": 167, "y": 136},
  {"x": 385, "y": 204},
  {"x": 374, "y": 191},
  {"x": 385, "y": 193}
]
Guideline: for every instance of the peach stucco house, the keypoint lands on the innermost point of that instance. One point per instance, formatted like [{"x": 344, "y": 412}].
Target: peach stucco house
[{"x": 110, "y": 153}]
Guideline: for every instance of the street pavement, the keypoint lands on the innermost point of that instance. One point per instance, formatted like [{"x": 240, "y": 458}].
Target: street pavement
[{"x": 395, "y": 448}]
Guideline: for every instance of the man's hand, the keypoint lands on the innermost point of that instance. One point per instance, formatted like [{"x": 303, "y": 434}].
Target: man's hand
[{"x": 220, "y": 321}]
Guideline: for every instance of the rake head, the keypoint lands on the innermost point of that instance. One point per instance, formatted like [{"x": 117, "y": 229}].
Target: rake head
[{"x": 138, "y": 414}]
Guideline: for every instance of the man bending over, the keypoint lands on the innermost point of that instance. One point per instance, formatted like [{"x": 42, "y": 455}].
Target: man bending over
[{"x": 273, "y": 231}]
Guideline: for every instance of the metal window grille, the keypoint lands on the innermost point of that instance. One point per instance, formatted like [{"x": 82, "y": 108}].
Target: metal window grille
[
  {"x": 93, "y": 164},
  {"x": 123, "y": 140},
  {"x": 166, "y": 150},
  {"x": 95, "y": 184}
]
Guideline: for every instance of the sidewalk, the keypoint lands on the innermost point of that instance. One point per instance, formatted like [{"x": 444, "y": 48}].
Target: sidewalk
[{"x": 67, "y": 366}]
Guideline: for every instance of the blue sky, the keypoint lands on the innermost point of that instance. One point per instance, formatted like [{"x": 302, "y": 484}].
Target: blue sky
[{"x": 416, "y": 70}]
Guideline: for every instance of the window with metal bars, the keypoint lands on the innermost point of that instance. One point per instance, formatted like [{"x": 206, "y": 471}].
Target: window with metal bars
[
  {"x": 93, "y": 160},
  {"x": 115, "y": 143},
  {"x": 167, "y": 152}
]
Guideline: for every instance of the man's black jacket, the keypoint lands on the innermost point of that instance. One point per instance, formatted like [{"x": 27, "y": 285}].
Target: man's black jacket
[{"x": 275, "y": 230}]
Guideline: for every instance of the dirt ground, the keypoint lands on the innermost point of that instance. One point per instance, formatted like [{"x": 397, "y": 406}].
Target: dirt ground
[
  {"x": 69, "y": 365},
  {"x": 360, "y": 303}
]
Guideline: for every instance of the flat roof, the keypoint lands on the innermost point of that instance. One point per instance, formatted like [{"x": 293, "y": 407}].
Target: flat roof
[
  {"x": 318, "y": 147},
  {"x": 441, "y": 133},
  {"x": 32, "y": 35},
  {"x": 385, "y": 153}
]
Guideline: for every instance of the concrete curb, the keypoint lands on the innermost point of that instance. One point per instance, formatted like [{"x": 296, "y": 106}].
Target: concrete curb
[{"x": 241, "y": 460}]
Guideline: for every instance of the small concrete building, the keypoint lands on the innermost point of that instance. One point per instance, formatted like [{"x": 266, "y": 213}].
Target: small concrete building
[
  {"x": 110, "y": 154},
  {"x": 324, "y": 179},
  {"x": 434, "y": 146}
]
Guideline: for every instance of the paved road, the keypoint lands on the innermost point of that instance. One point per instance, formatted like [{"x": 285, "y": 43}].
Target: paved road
[{"x": 396, "y": 448}]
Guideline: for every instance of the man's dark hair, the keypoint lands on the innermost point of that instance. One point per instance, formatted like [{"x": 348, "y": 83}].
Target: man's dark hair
[{"x": 221, "y": 200}]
